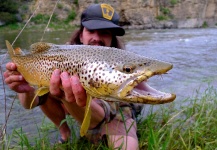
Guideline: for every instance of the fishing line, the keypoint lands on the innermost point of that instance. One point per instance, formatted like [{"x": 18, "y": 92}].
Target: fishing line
[
  {"x": 49, "y": 20},
  {"x": 3, "y": 59},
  {"x": 26, "y": 24}
]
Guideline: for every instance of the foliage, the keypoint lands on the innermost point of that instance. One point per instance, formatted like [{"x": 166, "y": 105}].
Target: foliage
[
  {"x": 161, "y": 17},
  {"x": 76, "y": 2},
  {"x": 173, "y": 2},
  {"x": 8, "y": 9},
  {"x": 165, "y": 11},
  {"x": 191, "y": 126},
  {"x": 165, "y": 14},
  {"x": 188, "y": 125},
  {"x": 60, "y": 6},
  {"x": 7, "y": 17},
  {"x": 10, "y": 6},
  {"x": 71, "y": 16},
  {"x": 43, "y": 19},
  {"x": 40, "y": 18},
  {"x": 205, "y": 24}
]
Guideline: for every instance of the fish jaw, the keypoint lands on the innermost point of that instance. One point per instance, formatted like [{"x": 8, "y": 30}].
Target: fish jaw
[
  {"x": 136, "y": 89},
  {"x": 148, "y": 95}
]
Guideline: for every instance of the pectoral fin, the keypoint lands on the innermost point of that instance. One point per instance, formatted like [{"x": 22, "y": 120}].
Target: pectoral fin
[
  {"x": 87, "y": 116},
  {"x": 39, "y": 92}
]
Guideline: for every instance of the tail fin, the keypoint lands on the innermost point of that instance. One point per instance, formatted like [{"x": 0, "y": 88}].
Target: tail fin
[{"x": 10, "y": 49}]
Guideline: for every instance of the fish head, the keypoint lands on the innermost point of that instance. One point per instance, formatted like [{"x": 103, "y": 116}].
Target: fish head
[{"x": 127, "y": 81}]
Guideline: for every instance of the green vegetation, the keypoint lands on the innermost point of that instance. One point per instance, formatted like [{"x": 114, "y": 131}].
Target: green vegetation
[
  {"x": 165, "y": 11},
  {"x": 161, "y": 17},
  {"x": 186, "y": 125},
  {"x": 13, "y": 14},
  {"x": 60, "y": 6},
  {"x": 174, "y": 2},
  {"x": 76, "y": 2},
  {"x": 205, "y": 24},
  {"x": 71, "y": 16},
  {"x": 40, "y": 21},
  {"x": 96, "y": 1},
  {"x": 8, "y": 11},
  {"x": 165, "y": 14}
]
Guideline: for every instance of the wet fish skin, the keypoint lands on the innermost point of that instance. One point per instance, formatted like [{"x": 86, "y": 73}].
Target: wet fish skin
[
  {"x": 102, "y": 70},
  {"x": 106, "y": 73}
]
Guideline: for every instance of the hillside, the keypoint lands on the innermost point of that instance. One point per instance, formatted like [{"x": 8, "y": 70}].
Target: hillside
[{"x": 136, "y": 14}]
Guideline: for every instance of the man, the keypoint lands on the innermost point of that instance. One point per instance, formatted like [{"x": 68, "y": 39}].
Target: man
[{"x": 99, "y": 26}]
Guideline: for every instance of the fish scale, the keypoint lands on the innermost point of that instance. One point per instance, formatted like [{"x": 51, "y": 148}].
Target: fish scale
[{"x": 106, "y": 73}]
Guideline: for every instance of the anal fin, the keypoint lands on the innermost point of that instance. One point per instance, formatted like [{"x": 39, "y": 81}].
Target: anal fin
[
  {"x": 39, "y": 92},
  {"x": 87, "y": 116}
]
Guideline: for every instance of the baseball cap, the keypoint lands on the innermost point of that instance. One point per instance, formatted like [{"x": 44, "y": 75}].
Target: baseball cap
[{"x": 101, "y": 16}]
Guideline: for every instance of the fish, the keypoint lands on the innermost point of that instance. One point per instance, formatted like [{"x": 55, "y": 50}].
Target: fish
[{"x": 106, "y": 73}]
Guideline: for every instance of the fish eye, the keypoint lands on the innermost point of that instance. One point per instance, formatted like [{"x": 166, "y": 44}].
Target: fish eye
[{"x": 128, "y": 68}]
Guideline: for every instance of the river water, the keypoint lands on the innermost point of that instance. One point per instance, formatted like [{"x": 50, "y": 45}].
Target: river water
[{"x": 193, "y": 52}]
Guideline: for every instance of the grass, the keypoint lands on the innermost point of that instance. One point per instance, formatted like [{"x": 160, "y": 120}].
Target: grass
[
  {"x": 189, "y": 125},
  {"x": 52, "y": 26},
  {"x": 40, "y": 21}
]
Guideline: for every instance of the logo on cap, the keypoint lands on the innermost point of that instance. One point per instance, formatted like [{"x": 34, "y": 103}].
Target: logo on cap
[{"x": 107, "y": 11}]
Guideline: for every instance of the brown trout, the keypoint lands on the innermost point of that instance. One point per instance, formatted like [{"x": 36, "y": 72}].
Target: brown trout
[{"x": 106, "y": 73}]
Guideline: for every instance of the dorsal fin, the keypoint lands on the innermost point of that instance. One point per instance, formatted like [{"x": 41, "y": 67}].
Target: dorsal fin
[{"x": 40, "y": 47}]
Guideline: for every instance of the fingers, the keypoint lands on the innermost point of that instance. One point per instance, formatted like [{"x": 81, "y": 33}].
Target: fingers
[
  {"x": 11, "y": 70},
  {"x": 15, "y": 80},
  {"x": 78, "y": 91},
  {"x": 61, "y": 80},
  {"x": 65, "y": 78},
  {"x": 73, "y": 90},
  {"x": 11, "y": 66},
  {"x": 55, "y": 83}
]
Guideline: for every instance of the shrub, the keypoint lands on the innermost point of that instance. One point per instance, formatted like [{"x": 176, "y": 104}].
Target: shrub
[
  {"x": 71, "y": 16},
  {"x": 59, "y": 6},
  {"x": 10, "y": 6},
  {"x": 161, "y": 17},
  {"x": 76, "y": 2},
  {"x": 173, "y": 2},
  {"x": 205, "y": 24},
  {"x": 40, "y": 18},
  {"x": 7, "y": 17},
  {"x": 165, "y": 10}
]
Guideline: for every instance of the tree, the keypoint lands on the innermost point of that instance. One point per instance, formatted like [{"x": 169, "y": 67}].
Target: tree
[{"x": 8, "y": 11}]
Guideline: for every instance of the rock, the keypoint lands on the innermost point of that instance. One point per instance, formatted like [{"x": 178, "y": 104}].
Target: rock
[
  {"x": 2, "y": 23},
  {"x": 144, "y": 14}
]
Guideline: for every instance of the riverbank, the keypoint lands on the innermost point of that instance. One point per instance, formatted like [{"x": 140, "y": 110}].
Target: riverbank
[
  {"x": 193, "y": 54},
  {"x": 174, "y": 126},
  {"x": 52, "y": 27}
]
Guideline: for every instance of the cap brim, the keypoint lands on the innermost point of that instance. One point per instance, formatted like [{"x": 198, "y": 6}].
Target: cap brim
[{"x": 101, "y": 24}]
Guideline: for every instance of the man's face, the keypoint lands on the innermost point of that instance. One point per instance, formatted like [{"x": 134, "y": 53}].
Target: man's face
[{"x": 96, "y": 37}]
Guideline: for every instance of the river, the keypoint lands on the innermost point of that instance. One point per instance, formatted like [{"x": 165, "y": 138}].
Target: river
[{"x": 193, "y": 52}]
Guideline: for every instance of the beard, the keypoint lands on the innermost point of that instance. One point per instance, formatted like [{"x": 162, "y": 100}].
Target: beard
[{"x": 96, "y": 43}]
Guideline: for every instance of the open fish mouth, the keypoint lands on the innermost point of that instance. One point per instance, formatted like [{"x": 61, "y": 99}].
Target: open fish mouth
[
  {"x": 137, "y": 90},
  {"x": 155, "y": 96}
]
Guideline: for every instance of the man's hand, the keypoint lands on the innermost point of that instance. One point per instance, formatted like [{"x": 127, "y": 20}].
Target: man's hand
[
  {"x": 73, "y": 90},
  {"x": 15, "y": 80}
]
